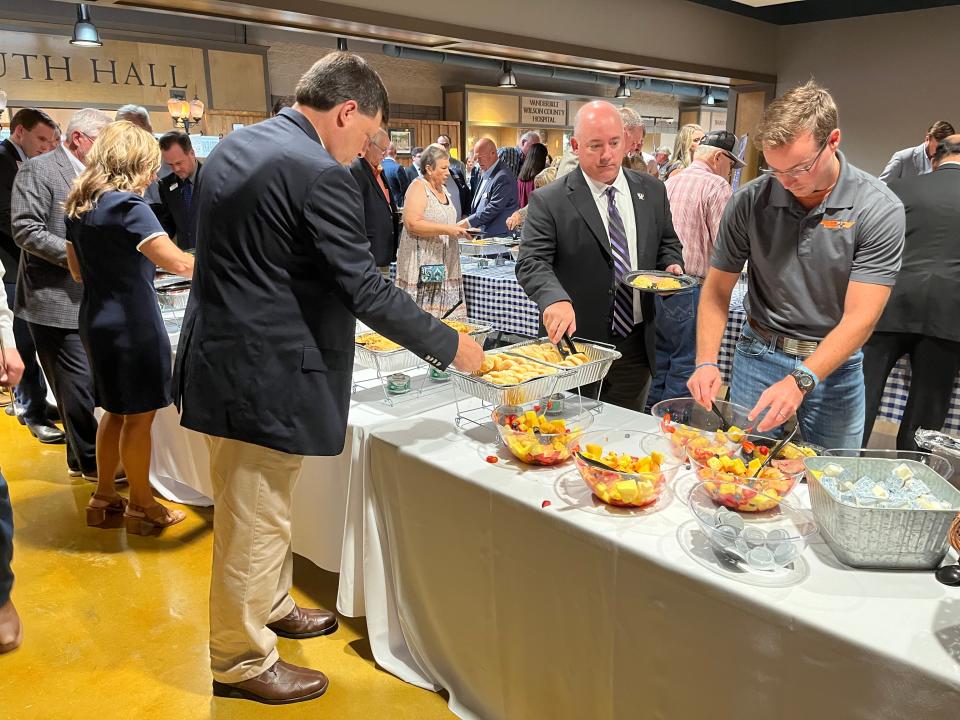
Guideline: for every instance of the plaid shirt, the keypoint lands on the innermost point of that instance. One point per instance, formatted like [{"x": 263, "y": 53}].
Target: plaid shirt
[
  {"x": 697, "y": 199},
  {"x": 512, "y": 158}
]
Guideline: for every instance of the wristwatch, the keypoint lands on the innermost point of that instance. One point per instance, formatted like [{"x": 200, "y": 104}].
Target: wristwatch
[{"x": 805, "y": 380}]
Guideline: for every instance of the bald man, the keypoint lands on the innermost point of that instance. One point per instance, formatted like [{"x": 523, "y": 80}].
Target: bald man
[
  {"x": 495, "y": 197},
  {"x": 612, "y": 221}
]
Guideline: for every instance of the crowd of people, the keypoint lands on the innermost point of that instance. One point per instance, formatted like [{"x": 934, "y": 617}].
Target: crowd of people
[{"x": 295, "y": 223}]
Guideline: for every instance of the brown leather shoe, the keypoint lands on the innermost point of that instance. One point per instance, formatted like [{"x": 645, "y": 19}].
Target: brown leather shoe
[
  {"x": 282, "y": 684},
  {"x": 11, "y": 629},
  {"x": 305, "y": 623}
]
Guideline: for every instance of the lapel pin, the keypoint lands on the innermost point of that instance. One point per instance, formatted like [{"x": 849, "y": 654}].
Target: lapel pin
[{"x": 640, "y": 196}]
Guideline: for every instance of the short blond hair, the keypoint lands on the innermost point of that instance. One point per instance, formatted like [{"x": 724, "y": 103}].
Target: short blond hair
[
  {"x": 123, "y": 157},
  {"x": 806, "y": 108}
]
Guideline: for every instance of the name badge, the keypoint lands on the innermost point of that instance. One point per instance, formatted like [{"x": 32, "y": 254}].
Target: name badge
[{"x": 175, "y": 186}]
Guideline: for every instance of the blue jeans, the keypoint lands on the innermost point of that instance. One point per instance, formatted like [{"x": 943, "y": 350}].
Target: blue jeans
[
  {"x": 676, "y": 345},
  {"x": 6, "y": 542},
  {"x": 31, "y": 393},
  {"x": 832, "y": 415}
]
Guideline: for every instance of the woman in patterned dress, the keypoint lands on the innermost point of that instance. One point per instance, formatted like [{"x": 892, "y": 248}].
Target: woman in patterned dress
[{"x": 429, "y": 240}]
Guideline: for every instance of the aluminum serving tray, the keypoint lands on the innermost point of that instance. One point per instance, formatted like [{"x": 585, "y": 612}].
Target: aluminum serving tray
[
  {"x": 601, "y": 358},
  {"x": 893, "y": 538},
  {"x": 517, "y": 394},
  {"x": 391, "y": 361},
  {"x": 174, "y": 296}
]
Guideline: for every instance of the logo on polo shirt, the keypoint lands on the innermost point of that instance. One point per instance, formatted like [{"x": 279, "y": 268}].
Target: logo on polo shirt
[{"x": 838, "y": 224}]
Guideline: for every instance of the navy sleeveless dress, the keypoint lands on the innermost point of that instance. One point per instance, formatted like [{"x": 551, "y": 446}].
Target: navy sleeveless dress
[{"x": 120, "y": 322}]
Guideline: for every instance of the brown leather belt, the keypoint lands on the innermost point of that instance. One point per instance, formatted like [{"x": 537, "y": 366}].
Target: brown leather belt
[{"x": 791, "y": 346}]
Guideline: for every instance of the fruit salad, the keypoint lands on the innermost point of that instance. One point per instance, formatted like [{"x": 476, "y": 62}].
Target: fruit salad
[
  {"x": 730, "y": 482},
  {"x": 630, "y": 481},
  {"x": 790, "y": 459},
  {"x": 702, "y": 444},
  {"x": 537, "y": 440}
]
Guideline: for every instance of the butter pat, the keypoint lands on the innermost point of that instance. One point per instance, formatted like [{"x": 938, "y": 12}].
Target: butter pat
[
  {"x": 833, "y": 470},
  {"x": 902, "y": 472}
]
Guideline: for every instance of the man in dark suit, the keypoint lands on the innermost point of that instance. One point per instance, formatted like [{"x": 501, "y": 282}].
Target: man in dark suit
[
  {"x": 611, "y": 221},
  {"x": 32, "y": 133},
  {"x": 48, "y": 298},
  {"x": 396, "y": 175},
  {"x": 495, "y": 196},
  {"x": 175, "y": 210},
  {"x": 379, "y": 209},
  {"x": 920, "y": 319},
  {"x": 265, "y": 359},
  {"x": 413, "y": 169}
]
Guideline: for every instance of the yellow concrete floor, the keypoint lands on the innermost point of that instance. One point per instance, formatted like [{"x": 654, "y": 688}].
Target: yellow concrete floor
[{"x": 116, "y": 626}]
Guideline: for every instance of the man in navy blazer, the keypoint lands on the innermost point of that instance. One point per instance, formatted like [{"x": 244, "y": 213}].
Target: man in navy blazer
[
  {"x": 495, "y": 197},
  {"x": 396, "y": 174},
  {"x": 265, "y": 358}
]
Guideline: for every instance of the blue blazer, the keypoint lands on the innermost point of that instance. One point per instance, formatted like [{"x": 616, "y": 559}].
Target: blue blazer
[
  {"x": 397, "y": 179},
  {"x": 498, "y": 201}
]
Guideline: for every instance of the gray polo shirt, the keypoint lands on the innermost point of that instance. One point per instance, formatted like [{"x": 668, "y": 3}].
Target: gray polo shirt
[{"x": 802, "y": 261}]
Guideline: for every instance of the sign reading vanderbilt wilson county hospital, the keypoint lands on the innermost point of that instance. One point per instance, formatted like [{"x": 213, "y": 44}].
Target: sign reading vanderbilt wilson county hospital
[
  {"x": 543, "y": 111},
  {"x": 47, "y": 69}
]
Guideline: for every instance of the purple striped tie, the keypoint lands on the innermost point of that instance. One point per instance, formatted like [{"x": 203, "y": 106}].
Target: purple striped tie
[{"x": 623, "y": 297}]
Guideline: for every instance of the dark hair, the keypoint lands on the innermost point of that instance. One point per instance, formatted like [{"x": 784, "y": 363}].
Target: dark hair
[
  {"x": 282, "y": 102},
  {"x": 940, "y": 129},
  {"x": 946, "y": 147},
  {"x": 342, "y": 76},
  {"x": 534, "y": 163},
  {"x": 416, "y": 151},
  {"x": 29, "y": 117},
  {"x": 175, "y": 137},
  {"x": 445, "y": 136}
]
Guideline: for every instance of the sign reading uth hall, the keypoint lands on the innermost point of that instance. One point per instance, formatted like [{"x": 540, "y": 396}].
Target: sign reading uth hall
[{"x": 47, "y": 69}]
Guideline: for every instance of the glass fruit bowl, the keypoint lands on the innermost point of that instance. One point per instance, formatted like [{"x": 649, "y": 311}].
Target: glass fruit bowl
[
  {"x": 684, "y": 421},
  {"x": 730, "y": 482},
  {"x": 536, "y": 439},
  {"x": 766, "y": 541},
  {"x": 637, "y": 466}
]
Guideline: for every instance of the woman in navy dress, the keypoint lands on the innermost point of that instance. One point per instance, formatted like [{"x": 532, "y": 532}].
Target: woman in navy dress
[{"x": 115, "y": 244}]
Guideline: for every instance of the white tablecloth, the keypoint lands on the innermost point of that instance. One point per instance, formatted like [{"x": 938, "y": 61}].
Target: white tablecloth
[{"x": 571, "y": 612}]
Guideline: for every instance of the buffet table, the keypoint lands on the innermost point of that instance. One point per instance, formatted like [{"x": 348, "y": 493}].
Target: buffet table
[
  {"x": 493, "y": 296},
  {"x": 574, "y": 611}
]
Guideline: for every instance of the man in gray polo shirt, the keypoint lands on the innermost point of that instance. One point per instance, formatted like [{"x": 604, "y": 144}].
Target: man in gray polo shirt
[{"x": 823, "y": 240}]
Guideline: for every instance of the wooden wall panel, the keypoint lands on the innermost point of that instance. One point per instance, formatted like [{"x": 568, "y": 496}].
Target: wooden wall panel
[
  {"x": 750, "y": 107},
  {"x": 220, "y": 122},
  {"x": 426, "y": 132}
]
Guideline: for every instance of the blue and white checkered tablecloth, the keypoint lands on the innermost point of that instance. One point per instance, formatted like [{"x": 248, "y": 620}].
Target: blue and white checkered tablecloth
[
  {"x": 493, "y": 296},
  {"x": 894, "y": 400}
]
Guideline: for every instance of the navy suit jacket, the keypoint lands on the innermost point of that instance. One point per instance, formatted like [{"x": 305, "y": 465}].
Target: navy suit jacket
[
  {"x": 494, "y": 202},
  {"x": 172, "y": 212},
  {"x": 9, "y": 252},
  {"x": 397, "y": 179},
  {"x": 283, "y": 268}
]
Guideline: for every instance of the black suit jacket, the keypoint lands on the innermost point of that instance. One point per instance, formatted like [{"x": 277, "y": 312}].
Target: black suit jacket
[
  {"x": 565, "y": 251},
  {"x": 380, "y": 215},
  {"x": 9, "y": 250},
  {"x": 172, "y": 212},
  {"x": 283, "y": 266},
  {"x": 927, "y": 294},
  {"x": 461, "y": 182},
  {"x": 412, "y": 174}
]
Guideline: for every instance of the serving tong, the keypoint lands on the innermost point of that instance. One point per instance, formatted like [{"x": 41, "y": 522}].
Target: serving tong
[{"x": 566, "y": 346}]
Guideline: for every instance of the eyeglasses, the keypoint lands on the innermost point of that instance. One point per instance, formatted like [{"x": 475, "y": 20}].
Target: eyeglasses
[
  {"x": 798, "y": 171},
  {"x": 377, "y": 145}
]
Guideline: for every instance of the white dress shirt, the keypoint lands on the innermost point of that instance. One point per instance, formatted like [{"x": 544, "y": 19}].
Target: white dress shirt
[
  {"x": 78, "y": 166},
  {"x": 625, "y": 207}
]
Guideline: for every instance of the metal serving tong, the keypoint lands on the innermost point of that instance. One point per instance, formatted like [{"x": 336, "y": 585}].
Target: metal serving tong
[
  {"x": 566, "y": 346},
  {"x": 777, "y": 449}
]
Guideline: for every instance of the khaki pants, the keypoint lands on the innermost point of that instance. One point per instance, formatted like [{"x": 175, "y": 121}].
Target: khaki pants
[{"x": 252, "y": 560}]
